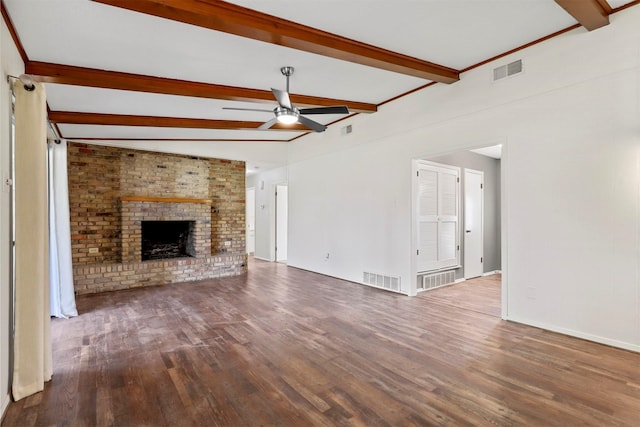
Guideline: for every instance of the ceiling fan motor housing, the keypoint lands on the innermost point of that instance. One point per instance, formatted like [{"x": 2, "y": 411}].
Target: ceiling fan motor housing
[{"x": 287, "y": 71}]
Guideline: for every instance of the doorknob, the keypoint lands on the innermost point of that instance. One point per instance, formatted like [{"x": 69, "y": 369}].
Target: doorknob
[{"x": 468, "y": 231}]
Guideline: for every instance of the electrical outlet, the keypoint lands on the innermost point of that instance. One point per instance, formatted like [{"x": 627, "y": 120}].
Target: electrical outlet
[{"x": 94, "y": 250}]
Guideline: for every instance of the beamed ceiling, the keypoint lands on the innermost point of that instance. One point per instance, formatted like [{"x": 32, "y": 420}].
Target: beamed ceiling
[{"x": 164, "y": 70}]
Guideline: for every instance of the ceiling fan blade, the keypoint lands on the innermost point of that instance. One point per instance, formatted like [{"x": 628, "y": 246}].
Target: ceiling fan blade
[
  {"x": 325, "y": 110},
  {"x": 283, "y": 98},
  {"x": 315, "y": 126},
  {"x": 247, "y": 109},
  {"x": 267, "y": 125}
]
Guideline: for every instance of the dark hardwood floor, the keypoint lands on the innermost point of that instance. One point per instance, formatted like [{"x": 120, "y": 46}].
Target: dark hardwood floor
[
  {"x": 285, "y": 347},
  {"x": 481, "y": 294}
]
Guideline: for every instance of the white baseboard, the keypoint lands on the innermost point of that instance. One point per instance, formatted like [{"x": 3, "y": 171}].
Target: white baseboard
[
  {"x": 491, "y": 273},
  {"x": 577, "y": 334},
  {"x": 401, "y": 292},
  {"x": 462, "y": 279},
  {"x": 4, "y": 404},
  {"x": 262, "y": 259}
]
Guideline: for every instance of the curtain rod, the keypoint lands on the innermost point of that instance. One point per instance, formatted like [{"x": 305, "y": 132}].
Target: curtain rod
[
  {"x": 25, "y": 79},
  {"x": 57, "y": 139},
  {"x": 29, "y": 86}
]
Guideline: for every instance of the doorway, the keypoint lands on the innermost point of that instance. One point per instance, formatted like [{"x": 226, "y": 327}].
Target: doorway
[
  {"x": 250, "y": 216},
  {"x": 480, "y": 198},
  {"x": 282, "y": 210}
]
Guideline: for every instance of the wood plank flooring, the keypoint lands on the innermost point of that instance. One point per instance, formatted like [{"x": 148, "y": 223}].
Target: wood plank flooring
[
  {"x": 481, "y": 294},
  {"x": 285, "y": 347}
]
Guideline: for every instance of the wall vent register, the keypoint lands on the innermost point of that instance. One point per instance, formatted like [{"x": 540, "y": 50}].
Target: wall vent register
[
  {"x": 507, "y": 70},
  {"x": 391, "y": 283},
  {"x": 436, "y": 280}
]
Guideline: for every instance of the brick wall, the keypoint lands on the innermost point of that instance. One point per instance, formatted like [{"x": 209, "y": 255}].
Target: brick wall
[
  {"x": 99, "y": 176},
  {"x": 227, "y": 189},
  {"x": 94, "y": 188}
]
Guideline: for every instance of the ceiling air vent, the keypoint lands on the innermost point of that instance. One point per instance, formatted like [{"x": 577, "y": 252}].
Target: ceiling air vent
[{"x": 507, "y": 70}]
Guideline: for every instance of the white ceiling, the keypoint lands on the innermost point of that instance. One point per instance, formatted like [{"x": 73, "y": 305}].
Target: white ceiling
[
  {"x": 495, "y": 151},
  {"x": 452, "y": 33}
]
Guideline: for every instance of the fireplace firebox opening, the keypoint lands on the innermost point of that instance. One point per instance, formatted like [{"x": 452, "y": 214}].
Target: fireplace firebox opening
[{"x": 167, "y": 239}]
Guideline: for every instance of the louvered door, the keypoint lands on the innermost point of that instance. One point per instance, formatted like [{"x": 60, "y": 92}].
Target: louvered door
[{"x": 437, "y": 217}]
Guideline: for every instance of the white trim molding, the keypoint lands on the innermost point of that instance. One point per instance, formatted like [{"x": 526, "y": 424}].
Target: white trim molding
[
  {"x": 577, "y": 334},
  {"x": 491, "y": 273},
  {"x": 3, "y": 406}
]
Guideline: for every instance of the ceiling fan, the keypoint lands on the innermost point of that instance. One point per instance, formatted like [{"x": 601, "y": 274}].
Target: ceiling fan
[{"x": 287, "y": 113}]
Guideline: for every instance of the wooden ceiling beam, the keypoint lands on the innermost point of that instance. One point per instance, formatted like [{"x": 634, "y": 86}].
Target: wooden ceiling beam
[
  {"x": 92, "y": 138},
  {"x": 13, "y": 32},
  {"x": 233, "y": 19},
  {"x": 75, "y": 118},
  {"x": 591, "y": 14},
  {"x": 79, "y": 76}
]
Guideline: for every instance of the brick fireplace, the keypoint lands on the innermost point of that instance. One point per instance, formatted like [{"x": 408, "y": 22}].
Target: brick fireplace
[
  {"x": 114, "y": 191},
  {"x": 167, "y": 239},
  {"x": 136, "y": 210}
]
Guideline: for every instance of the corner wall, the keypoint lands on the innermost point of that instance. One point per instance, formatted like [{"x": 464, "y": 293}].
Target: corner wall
[
  {"x": 570, "y": 124},
  {"x": 10, "y": 63}
]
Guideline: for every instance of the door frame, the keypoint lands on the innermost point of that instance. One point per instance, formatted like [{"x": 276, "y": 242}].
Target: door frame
[
  {"x": 504, "y": 222},
  {"x": 275, "y": 220},
  {"x": 247, "y": 190}
]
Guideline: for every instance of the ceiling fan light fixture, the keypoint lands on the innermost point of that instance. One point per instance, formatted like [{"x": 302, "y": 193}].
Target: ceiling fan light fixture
[
  {"x": 287, "y": 114},
  {"x": 286, "y": 117}
]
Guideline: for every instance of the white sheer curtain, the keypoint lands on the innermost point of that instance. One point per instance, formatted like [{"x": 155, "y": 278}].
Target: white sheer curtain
[
  {"x": 63, "y": 301},
  {"x": 32, "y": 333}
]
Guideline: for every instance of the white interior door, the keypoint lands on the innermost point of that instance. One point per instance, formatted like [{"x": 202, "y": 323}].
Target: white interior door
[
  {"x": 281, "y": 221},
  {"x": 473, "y": 220},
  {"x": 250, "y": 216},
  {"x": 437, "y": 216}
]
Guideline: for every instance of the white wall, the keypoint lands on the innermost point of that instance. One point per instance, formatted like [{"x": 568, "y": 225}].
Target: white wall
[
  {"x": 265, "y": 185},
  {"x": 10, "y": 63},
  {"x": 571, "y": 129}
]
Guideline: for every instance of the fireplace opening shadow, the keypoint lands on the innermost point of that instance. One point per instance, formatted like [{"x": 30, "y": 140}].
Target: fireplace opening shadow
[{"x": 167, "y": 239}]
